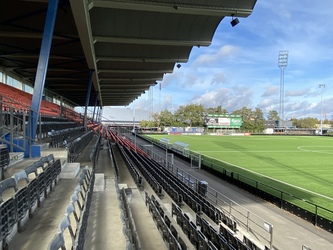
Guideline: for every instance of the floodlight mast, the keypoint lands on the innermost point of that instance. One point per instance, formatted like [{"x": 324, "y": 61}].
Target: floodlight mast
[
  {"x": 282, "y": 64},
  {"x": 321, "y": 86}
]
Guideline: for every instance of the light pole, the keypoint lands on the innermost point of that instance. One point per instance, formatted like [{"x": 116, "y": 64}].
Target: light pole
[
  {"x": 282, "y": 64},
  {"x": 134, "y": 130},
  {"x": 321, "y": 86}
]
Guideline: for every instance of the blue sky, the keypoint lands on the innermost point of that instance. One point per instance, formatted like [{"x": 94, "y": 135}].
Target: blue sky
[{"x": 240, "y": 67}]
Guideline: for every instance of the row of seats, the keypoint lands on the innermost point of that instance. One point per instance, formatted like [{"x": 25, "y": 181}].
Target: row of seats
[
  {"x": 132, "y": 169},
  {"x": 163, "y": 222},
  {"x": 20, "y": 101},
  {"x": 15, "y": 97},
  {"x": 129, "y": 229},
  {"x": 17, "y": 119},
  {"x": 25, "y": 191},
  {"x": 61, "y": 137},
  {"x": 180, "y": 192},
  {"x": 54, "y": 125},
  {"x": 74, "y": 222},
  {"x": 76, "y": 147},
  {"x": 112, "y": 158},
  {"x": 111, "y": 135},
  {"x": 148, "y": 175},
  {"x": 128, "y": 220},
  {"x": 95, "y": 151},
  {"x": 170, "y": 235},
  {"x": 204, "y": 236},
  {"x": 190, "y": 229}
]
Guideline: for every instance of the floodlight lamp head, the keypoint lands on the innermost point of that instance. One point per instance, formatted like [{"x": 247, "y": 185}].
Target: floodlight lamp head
[{"x": 234, "y": 21}]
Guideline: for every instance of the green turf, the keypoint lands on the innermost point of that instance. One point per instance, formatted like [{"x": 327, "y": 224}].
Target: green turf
[{"x": 299, "y": 165}]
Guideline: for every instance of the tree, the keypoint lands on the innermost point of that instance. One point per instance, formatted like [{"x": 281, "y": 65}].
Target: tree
[
  {"x": 166, "y": 118},
  {"x": 308, "y": 122},
  {"x": 190, "y": 115},
  {"x": 217, "y": 110},
  {"x": 273, "y": 115},
  {"x": 259, "y": 120},
  {"x": 145, "y": 124},
  {"x": 294, "y": 121},
  {"x": 252, "y": 120}
]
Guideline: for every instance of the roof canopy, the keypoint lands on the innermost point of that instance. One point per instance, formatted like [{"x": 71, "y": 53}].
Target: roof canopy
[{"x": 130, "y": 44}]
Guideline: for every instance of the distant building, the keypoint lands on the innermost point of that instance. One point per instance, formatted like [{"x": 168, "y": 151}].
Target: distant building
[{"x": 124, "y": 116}]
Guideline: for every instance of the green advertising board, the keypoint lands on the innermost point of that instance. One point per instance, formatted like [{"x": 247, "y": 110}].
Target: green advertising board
[{"x": 223, "y": 121}]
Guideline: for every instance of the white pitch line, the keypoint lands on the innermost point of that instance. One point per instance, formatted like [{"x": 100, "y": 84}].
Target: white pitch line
[
  {"x": 288, "y": 184},
  {"x": 253, "y": 151}
]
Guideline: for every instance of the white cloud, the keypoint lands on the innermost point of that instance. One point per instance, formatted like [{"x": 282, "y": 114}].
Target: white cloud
[
  {"x": 240, "y": 68},
  {"x": 215, "y": 56},
  {"x": 298, "y": 92},
  {"x": 271, "y": 91},
  {"x": 229, "y": 99}
]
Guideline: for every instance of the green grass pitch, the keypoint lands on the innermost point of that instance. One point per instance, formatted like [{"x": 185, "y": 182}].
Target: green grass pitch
[{"x": 298, "y": 165}]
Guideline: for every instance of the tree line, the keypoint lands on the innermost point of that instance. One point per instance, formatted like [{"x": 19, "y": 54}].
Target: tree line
[{"x": 192, "y": 115}]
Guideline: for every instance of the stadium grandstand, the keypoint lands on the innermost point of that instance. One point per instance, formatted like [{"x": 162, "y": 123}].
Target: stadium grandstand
[{"x": 70, "y": 181}]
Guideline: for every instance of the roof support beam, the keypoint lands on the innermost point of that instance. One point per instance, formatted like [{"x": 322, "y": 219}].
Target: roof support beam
[
  {"x": 105, "y": 39},
  {"x": 34, "y": 35},
  {"x": 131, "y": 59},
  {"x": 116, "y": 94},
  {"x": 126, "y": 80},
  {"x": 119, "y": 87},
  {"x": 130, "y": 71},
  {"x": 33, "y": 56},
  {"x": 171, "y": 8},
  {"x": 82, "y": 21}
]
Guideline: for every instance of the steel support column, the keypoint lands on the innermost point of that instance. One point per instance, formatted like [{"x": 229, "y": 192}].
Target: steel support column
[
  {"x": 87, "y": 99},
  {"x": 43, "y": 60},
  {"x": 93, "y": 117}
]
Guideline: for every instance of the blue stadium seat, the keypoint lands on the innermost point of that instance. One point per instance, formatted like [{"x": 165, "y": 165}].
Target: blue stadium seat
[
  {"x": 33, "y": 196},
  {"x": 70, "y": 210},
  {"x": 6, "y": 184},
  {"x": 22, "y": 198},
  {"x": 65, "y": 226},
  {"x": 57, "y": 242},
  {"x": 21, "y": 175},
  {"x": 8, "y": 216}
]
